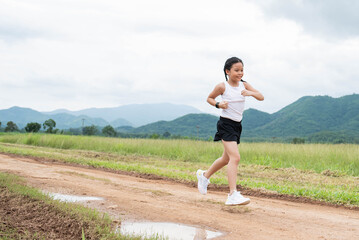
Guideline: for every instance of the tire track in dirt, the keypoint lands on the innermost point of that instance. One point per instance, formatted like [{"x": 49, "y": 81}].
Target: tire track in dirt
[{"x": 166, "y": 201}]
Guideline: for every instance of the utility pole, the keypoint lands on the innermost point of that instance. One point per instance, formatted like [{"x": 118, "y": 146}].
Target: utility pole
[
  {"x": 197, "y": 132},
  {"x": 83, "y": 123}
]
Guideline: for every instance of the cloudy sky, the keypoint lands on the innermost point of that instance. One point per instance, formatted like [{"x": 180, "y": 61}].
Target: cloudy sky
[{"x": 77, "y": 54}]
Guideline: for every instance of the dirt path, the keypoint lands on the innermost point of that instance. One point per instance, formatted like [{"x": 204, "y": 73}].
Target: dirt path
[{"x": 164, "y": 201}]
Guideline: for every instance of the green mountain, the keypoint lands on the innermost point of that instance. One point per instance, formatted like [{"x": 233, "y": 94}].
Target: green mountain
[
  {"x": 316, "y": 118},
  {"x": 26, "y": 114},
  {"x": 191, "y": 125},
  {"x": 135, "y": 114},
  {"x": 120, "y": 122},
  {"x": 128, "y": 115},
  {"x": 253, "y": 118},
  {"x": 22, "y": 116},
  {"x": 307, "y": 116}
]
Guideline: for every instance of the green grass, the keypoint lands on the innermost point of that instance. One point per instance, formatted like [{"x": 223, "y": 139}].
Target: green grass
[
  {"x": 317, "y": 157},
  {"x": 318, "y": 171},
  {"x": 98, "y": 225}
]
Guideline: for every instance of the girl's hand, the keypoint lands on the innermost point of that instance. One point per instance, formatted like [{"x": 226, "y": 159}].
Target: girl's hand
[
  {"x": 250, "y": 91},
  {"x": 246, "y": 93},
  {"x": 223, "y": 105}
]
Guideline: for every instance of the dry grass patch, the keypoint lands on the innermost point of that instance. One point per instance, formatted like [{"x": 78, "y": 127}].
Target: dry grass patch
[{"x": 238, "y": 209}]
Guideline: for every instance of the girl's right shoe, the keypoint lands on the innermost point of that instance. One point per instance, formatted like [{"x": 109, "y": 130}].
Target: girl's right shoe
[
  {"x": 237, "y": 199},
  {"x": 202, "y": 182}
]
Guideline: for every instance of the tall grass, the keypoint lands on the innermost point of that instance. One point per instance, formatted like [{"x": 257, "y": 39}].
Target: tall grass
[
  {"x": 316, "y": 157},
  {"x": 330, "y": 186}
]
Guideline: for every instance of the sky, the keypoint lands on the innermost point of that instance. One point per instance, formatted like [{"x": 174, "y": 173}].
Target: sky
[{"x": 84, "y": 53}]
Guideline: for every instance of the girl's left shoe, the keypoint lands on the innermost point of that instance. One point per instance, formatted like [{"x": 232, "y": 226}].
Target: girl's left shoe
[{"x": 236, "y": 198}]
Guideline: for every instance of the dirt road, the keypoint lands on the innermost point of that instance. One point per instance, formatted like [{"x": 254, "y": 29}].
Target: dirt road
[{"x": 165, "y": 201}]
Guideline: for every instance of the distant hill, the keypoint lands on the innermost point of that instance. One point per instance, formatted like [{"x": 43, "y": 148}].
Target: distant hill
[
  {"x": 317, "y": 118},
  {"x": 120, "y": 122},
  {"x": 306, "y": 116},
  {"x": 138, "y": 114},
  {"x": 22, "y": 116},
  {"x": 192, "y": 125},
  {"x": 253, "y": 118},
  {"x": 135, "y": 114}
]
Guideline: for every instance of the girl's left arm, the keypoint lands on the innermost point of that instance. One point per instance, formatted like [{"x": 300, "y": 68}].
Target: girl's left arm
[{"x": 250, "y": 91}]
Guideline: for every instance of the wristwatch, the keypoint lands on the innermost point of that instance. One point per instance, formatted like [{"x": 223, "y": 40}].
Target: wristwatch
[{"x": 217, "y": 104}]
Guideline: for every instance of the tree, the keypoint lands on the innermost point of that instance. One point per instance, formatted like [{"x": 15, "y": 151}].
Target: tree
[
  {"x": 166, "y": 134},
  {"x": 89, "y": 130},
  {"x": 50, "y": 124},
  {"x": 154, "y": 136},
  {"x": 75, "y": 131},
  {"x": 33, "y": 127},
  {"x": 11, "y": 127},
  {"x": 109, "y": 131},
  {"x": 298, "y": 141}
]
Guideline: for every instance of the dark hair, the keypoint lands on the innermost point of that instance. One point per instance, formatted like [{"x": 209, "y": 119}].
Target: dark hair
[{"x": 229, "y": 63}]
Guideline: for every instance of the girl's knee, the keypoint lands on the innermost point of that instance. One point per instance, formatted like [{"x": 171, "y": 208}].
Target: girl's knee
[{"x": 236, "y": 159}]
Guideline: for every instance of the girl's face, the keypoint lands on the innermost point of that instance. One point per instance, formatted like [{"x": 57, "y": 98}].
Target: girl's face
[{"x": 236, "y": 72}]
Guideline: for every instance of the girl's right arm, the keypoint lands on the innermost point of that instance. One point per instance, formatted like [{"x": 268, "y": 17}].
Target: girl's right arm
[{"x": 218, "y": 90}]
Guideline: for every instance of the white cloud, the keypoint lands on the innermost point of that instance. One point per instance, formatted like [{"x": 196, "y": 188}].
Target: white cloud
[
  {"x": 325, "y": 18},
  {"x": 79, "y": 54}
]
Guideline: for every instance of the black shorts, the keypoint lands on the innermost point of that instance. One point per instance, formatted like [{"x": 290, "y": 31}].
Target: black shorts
[{"x": 228, "y": 130}]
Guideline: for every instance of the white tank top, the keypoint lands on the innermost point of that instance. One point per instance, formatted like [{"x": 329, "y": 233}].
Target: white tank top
[{"x": 235, "y": 102}]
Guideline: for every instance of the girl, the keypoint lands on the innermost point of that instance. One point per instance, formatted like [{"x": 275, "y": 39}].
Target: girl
[{"x": 229, "y": 127}]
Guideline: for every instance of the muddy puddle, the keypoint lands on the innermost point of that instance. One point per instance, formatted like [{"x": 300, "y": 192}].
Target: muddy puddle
[
  {"x": 73, "y": 198},
  {"x": 166, "y": 230}
]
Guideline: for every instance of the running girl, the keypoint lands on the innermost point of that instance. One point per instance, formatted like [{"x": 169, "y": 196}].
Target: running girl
[{"x": 229, "y": 127}]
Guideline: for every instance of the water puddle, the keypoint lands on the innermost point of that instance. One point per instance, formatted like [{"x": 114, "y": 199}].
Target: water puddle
[
  {"x": 171, "y": 231},
  {"x": 164, "y": 230},
  {"x": 73, "y": 198}
]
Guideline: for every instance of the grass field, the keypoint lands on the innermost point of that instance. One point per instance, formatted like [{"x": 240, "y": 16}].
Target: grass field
[{"x": 319, "y": 171}]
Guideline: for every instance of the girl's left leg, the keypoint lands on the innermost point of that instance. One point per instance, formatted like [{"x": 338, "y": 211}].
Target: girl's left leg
[
  {"x": 234, "y": 197},
  {"x": 231, "y": 149}
]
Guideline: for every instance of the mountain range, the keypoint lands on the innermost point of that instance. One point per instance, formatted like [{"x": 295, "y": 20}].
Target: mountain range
[
  {"x": 306, "y": 116},
  {"x": 192, "y": 125},
  {"x": 133, "y": 114},
  {"x": 309, "y": 116},
  {"x": 128, "y": 115}
]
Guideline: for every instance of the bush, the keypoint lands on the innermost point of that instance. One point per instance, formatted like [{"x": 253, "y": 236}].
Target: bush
[
  {"x": 298, "y": 141},
  {"x": 89, "y": 130},
  {"x": 11, "y": 127},
  {"x": 33, "y": 127},
  {"x": 109, "y": 131}
]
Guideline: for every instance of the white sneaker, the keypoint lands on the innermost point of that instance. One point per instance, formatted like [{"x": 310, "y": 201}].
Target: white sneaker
[
  {"x": 202, "y": 182},
  {"x": 237, "y": 199}
]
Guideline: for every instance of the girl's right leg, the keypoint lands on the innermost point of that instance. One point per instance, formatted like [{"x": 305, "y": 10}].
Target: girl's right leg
[
  {"x": 217, "y": 165},
  {"x": 203, "y": 176}
]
